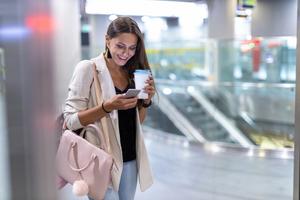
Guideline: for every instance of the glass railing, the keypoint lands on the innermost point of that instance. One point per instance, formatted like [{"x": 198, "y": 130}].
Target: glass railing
[
  {"x": 263, "y": 112},
  {"x": 251, "y": 82}
]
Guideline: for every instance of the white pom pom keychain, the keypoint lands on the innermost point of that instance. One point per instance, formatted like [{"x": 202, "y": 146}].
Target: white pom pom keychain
[{"x": 80, "y": 188}]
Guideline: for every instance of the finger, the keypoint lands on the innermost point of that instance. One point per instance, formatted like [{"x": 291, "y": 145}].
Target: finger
[
  {"x": 132, "y": 105},
  {"x": 149, "y": 86},
  {"x": 129, "y": 105},
  {"x": 129, "y": 101},
  {"x": 151, "y": 92},
  {"x": 149, "y": 89},
  {"x": 120, "y": 96},
  {"x": 150, "y": 81}
]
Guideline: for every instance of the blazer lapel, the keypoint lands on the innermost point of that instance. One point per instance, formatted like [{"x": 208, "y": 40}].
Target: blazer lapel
[{"x": 108, "y": 91}]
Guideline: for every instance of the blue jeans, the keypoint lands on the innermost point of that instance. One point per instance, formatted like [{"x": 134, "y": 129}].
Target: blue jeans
[{"x": 127, "y": 186}]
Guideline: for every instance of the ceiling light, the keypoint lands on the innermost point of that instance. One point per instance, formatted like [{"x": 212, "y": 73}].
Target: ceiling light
[{"x": 146, "y": 8}]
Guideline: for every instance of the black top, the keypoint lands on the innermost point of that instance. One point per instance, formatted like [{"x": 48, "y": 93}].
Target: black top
[{"x": 127, "y": 127}]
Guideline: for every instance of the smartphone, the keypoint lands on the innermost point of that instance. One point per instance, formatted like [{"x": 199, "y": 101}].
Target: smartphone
[{"x": 131, "y": 93}]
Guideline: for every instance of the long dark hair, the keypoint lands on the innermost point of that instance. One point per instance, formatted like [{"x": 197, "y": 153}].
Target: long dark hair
[
  {"x": 139, "y": 60},
  {"x": 127, "y": 25}
]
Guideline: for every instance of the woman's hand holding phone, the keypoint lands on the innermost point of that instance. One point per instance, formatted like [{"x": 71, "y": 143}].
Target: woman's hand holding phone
[{"x": 122, "y": 101}]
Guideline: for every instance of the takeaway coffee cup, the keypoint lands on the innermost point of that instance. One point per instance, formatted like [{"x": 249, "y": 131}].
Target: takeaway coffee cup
[{"x": 140, "y": 77}]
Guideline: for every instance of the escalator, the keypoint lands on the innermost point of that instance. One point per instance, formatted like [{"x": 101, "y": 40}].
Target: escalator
[
  {"x": 196, "y": 118},
  {"x": 158, "y": 120},
  {"x": 268, "y": 133},
  {"x": 199, "y": 118}
]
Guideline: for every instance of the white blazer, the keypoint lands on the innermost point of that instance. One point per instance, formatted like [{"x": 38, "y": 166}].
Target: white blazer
[{"x": 82, "y": 96}]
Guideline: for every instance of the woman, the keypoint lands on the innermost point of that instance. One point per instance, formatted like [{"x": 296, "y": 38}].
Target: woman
[{"x": 125, "y": 52}]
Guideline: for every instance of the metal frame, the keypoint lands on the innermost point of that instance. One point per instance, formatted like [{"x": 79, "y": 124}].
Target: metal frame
[
  {"x": 297, "y": 117},
  {"x": 28, "y": 97}
]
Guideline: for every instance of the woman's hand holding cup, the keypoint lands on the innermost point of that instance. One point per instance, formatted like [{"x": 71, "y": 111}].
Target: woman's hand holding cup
[
  {"x": 149, "y": 89},
  {"x": 144, "y": 81}
]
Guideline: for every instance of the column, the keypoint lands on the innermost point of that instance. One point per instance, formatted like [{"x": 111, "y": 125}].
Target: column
[
  {"x": 66, "y": 46},
  {"x": 296, "y": 193},
  {"x": 99, "y": 24},
  {"x": 221, "y": 17},
  {"x": 274, "y": 18}
]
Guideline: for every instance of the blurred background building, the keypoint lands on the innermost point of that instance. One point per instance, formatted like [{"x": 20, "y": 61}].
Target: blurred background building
[{"x": 223, "y": 121}]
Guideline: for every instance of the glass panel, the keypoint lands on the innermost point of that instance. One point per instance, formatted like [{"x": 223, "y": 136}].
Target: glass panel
[
  {"x": 237, "y": 81},
  {"x": 180, "y": 61}
]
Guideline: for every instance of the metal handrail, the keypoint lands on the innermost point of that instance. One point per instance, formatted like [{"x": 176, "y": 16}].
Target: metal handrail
[
  {"x": 227, "y": 84},
  {"x": 222, "y": 119}
]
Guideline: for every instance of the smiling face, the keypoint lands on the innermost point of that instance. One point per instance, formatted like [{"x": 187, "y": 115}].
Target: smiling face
[{"x": 122, "y": 47}]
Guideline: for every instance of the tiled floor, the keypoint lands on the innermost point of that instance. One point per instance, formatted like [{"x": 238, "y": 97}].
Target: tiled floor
[{"x": 193, "y": 173}]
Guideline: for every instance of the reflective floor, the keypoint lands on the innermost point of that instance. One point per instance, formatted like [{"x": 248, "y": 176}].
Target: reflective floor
[{"x": 189, "y": 171}]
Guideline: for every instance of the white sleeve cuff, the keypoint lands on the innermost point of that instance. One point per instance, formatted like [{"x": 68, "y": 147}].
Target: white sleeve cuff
[{"x": 73, "y": 122}]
